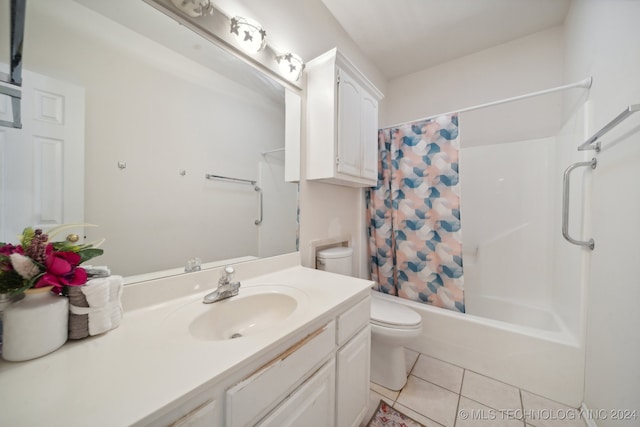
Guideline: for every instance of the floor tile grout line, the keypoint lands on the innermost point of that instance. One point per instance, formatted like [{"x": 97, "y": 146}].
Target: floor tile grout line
[
  {"x": 455, "y": 420},
  {"x": 436, "y": 385},
  {"x": 419, "y": 413},
  {"x": 440, "y": 360},
  {"x": 432, "y": 383},
  {"x": 524, "y": 423},
  {"x": 415, "y": 362},
  {"x": 459, "y": 393},
  {"x": 477, "y": 373},
  {"x": 491, "y": 378},
  {"x": 483, "y": 404}
]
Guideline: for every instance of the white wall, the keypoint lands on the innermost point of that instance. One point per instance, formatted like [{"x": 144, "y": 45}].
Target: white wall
[
  {"x": 506, "y": 212},
  {"x": 568, "y": 262},
  {"x": 307, "y": 28},
  {"x": 304, "y": 27},
  {"x": 143, "y": 102},
  {"x": 525, "y": 65},
  {"x": 603, "y": 39}
]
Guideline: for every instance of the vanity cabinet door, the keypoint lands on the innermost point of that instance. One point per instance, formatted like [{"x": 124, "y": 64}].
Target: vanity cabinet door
[
  {"x": 311, "y": 405},
  {"x": 352, "y": 380}
]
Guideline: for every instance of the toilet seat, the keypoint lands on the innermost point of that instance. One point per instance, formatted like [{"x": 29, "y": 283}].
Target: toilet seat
[{"x": 393, "y": 315}]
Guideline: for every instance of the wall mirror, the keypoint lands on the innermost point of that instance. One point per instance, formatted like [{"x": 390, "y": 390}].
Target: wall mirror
[{"x": 155, "y": 108}]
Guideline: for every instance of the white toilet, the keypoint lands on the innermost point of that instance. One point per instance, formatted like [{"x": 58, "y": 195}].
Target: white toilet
[{"x": 393, "y": 325}]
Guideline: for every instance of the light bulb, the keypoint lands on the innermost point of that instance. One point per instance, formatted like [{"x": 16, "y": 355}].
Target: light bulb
[
  {"x": 250, "y": 35},
  {"x": 290, "y": 65},
  {"x": 194, "y": 8}
]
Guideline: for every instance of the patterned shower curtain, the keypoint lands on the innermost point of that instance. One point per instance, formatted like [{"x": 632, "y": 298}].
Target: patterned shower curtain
[{"x": 413, "y": 213}]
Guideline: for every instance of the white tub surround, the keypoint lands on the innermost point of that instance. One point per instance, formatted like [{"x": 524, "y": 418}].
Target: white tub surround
[{"x": 151, "y": 372}]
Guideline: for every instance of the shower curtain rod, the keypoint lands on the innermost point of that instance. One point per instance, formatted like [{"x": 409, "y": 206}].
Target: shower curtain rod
[{"x": 585, "y": 84}]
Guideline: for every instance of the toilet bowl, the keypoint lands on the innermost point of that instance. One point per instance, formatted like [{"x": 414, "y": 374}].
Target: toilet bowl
[{"x": 393, "y": 325}]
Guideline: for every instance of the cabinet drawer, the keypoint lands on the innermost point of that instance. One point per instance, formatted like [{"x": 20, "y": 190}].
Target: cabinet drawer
[
  {"x": 354, "y": 319},
  {"x": 254, "y": 396}
]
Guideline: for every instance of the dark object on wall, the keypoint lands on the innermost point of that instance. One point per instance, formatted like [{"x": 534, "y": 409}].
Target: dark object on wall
[{"x": 13, "y": 80}]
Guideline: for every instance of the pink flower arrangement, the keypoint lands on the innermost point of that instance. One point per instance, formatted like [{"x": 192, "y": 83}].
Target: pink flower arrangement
[{"x": 36, "y": 262}]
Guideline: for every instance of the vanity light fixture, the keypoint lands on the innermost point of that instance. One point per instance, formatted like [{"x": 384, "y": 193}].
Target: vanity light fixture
[
  {"x": 291, "y": 66},
  {"x": 194, "y": 8},
  {"x": 251, "y": 36}
]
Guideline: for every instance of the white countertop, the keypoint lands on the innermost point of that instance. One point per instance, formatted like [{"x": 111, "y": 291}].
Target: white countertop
[{"x": 125, "y": 375}]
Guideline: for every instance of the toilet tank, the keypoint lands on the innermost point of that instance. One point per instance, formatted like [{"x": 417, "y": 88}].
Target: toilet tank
[{"x": 335, "y": 260}]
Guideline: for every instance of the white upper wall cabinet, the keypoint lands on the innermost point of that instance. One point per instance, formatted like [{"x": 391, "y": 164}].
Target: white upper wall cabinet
[{"x": 342, "y": 123}]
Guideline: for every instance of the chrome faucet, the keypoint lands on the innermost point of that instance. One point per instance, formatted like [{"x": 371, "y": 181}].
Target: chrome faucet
[
  {"x": 193, "y": 264},
  {"x": 226, "y": 288}
]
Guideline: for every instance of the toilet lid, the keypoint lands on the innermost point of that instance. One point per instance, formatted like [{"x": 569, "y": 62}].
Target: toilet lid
[
  {"x": 393, "y": 314},
  {"x": 336, "y": 252}
]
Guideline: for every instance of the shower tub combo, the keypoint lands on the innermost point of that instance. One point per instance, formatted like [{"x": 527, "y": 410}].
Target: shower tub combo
[
  {"x": 546, "y": 360},
  {"x": 524, "y": 285}
]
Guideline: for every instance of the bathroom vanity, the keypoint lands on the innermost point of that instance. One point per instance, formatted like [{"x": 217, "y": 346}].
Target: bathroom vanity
[{"x": 291, "y": 349}]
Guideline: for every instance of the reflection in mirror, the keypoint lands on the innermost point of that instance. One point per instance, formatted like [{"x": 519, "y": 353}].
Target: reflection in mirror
[{"x": 154, "y": 115}]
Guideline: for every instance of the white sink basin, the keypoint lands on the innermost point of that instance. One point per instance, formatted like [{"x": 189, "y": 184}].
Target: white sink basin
[{"x": 256, "y": 309}]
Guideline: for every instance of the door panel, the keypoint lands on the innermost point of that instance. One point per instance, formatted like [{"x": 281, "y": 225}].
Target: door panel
[
  {"x": 369, "y": 137},
  {"x": 42, "y": 178},
  {"x": 349, "y": 116}
]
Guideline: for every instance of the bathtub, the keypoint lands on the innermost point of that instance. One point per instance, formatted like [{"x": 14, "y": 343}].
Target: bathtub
[{"x": 539, "y": 355}]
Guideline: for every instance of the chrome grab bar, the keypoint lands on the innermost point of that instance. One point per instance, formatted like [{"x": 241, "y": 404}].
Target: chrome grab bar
[
  {"x": 259, "y": 190},
  {"x": 565, "y": 203},
  {"x": 242, "y": 181}
]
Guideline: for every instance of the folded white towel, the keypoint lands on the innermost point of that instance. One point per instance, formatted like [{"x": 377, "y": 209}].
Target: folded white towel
[
  {"x": 100, "y": 321},
  {"x": 103, "y": 297},
  {"x": 96, "y": 291},
  {"x": 115, "y": 300}
]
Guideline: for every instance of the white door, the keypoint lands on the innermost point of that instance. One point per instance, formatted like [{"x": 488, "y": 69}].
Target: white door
[
  {"x": 42, "y": 164},
  {"x": 349, "y": 117}
]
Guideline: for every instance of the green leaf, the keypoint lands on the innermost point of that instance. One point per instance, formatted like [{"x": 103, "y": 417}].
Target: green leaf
[
  {"x": 89, "y": 253},
  {"x": 12, "y": 283},
  {"x": 65, "y": 246},
  {"x": 27, "y": 236}
]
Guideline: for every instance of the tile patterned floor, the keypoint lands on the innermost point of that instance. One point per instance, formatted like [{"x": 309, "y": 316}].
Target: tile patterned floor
[{"x": 438, "y": 394}]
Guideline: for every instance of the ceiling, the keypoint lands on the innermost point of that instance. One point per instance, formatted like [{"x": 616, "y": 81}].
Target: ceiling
[{"x": 404, "y": 36}]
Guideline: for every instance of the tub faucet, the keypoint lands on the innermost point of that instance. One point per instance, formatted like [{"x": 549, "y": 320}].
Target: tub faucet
[{"x": 226, "y": 288}]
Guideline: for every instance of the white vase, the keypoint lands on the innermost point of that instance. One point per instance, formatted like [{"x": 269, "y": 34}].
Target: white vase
[{"x": 35, "y": 325}]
